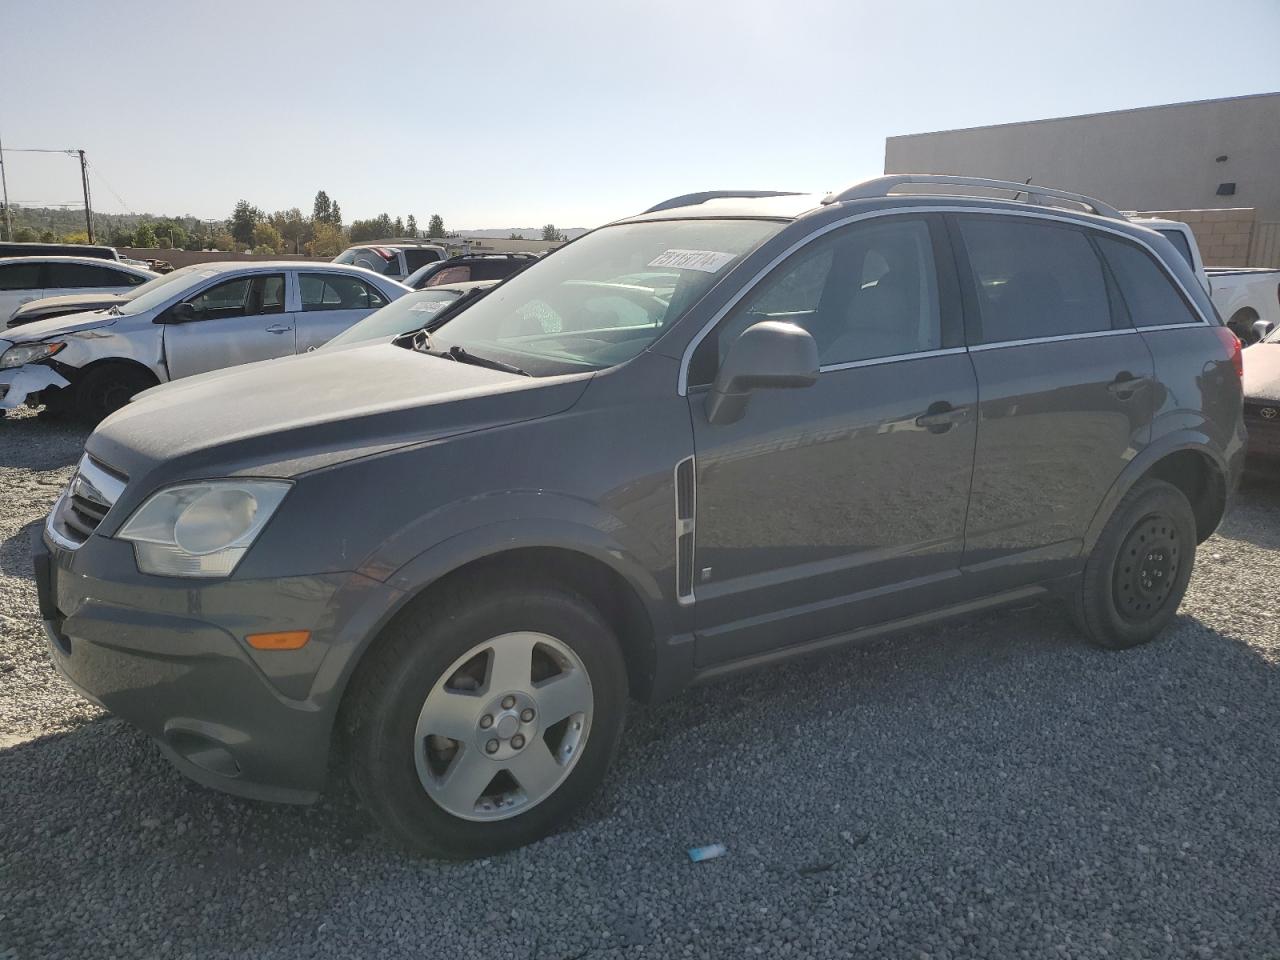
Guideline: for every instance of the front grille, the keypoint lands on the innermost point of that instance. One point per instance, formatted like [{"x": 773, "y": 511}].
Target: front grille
[{"x": 93, "y": 491}]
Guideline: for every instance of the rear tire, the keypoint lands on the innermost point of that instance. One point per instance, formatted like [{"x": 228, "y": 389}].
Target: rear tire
[
  {"x": 434, "y": 749},
  {"x": 1138, "y": 572},
  {"x": 105, "y": 389}
]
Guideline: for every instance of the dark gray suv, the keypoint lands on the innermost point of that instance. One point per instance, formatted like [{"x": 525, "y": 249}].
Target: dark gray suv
[{"x": 734, "y": 429}]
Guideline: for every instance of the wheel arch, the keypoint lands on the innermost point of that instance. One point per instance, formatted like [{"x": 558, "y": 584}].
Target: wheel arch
[{"x": 1188, "y": 462}]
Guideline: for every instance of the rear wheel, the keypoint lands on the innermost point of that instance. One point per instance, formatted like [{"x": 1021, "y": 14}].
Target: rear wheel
[
  {"x": 484, "y": 718},
  {"x": 1138, "y": 572},
  {"x": 105, "y": 389}
]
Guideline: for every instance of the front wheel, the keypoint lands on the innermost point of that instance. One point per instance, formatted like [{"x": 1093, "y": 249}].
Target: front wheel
[
  {"x": 1138, "y": 572},
  {"x": 483, "y": 718}
]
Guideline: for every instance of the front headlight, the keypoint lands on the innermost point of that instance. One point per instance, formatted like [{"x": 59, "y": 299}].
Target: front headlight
[
  {"x": 201, "y": 529},
  {"x": 23, "y": 353}
]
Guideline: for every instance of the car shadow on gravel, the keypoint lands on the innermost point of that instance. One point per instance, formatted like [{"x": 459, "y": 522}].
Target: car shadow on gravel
[
  {"x": 15, "y": 551},
  {"x": 41, "y": 442}
]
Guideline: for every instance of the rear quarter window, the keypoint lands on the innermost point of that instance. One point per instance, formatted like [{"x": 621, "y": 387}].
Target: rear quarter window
[{"x": 1150, "y": 297}]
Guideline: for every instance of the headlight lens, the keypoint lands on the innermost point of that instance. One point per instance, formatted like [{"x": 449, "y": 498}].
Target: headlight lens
[
  {"x": 201, "y": 529},
  {"x": 22, "y": 353}
]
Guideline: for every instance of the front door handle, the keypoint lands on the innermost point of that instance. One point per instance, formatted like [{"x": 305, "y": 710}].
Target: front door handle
[
  {"x": 942, "y": 416},
  {"x": 279, "y": 328},
  {"x": 1125, "y": 385}
]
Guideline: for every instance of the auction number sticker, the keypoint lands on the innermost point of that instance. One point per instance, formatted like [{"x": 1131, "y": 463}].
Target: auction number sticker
[{"x": 708, "y": 261}]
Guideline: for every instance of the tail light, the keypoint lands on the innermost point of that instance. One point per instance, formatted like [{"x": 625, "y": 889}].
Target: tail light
[{"x": 1232, "y": 343}]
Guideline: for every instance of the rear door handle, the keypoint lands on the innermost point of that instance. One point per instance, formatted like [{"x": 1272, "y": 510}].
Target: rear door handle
[
  {"x": 279, "y": 328},
  {"x": 942, "y": 416},
  {"x": 1125, "y": 385}
]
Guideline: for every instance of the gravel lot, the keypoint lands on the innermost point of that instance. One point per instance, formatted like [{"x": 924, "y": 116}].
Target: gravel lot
[{"x": 992, "y": 788}]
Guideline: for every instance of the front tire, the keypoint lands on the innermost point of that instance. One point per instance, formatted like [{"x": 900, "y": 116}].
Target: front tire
[
  {"x": 483, "y": 717},
  {"x": 105, "y": 389},
  {"x": 1138, "y": 572}
]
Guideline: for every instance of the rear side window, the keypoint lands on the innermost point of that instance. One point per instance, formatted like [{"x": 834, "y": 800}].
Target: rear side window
[
  {"x": 20, "y": 276},
  {"x": 1179, "y": 241},
  {"x": 1034, "y": 279},
  {"x": 1149, "y": 295},
  {"x": 450, "y": 275},
  {"x": 337, "y": 292},
  {"x": 417, "y": 258},
  {"x": 73, "y": 275}
]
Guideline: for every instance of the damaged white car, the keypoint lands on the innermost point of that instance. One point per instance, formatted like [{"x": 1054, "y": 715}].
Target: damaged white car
[{"x": 200, "y": 318}]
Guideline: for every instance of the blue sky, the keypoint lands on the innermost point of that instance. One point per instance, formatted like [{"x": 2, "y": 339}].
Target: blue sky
[{"x": 497, "y": 114}]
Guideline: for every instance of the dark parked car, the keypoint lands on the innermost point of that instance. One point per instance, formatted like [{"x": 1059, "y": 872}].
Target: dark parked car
[
  {"x": 446, "y": 562},
  {"x": 1262, "y": 400},
  {"x": 16, "y": 249},
  {"x": 468, "y": 267}
]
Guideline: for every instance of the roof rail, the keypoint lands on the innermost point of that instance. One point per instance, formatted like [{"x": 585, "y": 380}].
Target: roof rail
[
  {"x": 883, "y": 186},
  {"x": 693, "y": 199}
]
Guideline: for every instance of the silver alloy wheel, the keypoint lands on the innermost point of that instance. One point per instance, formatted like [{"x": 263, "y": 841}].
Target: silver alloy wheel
[{"x": 504, "y": 726}]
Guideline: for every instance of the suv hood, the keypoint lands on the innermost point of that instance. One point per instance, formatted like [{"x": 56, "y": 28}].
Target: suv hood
[
  {"x": 1262, "y": 371},
  {"x": 289, "y": 416}
]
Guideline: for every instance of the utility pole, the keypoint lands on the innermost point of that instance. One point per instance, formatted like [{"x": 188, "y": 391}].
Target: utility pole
[
  {"x": 88, "y": 207},
  {"x": 4, "y": 184}
]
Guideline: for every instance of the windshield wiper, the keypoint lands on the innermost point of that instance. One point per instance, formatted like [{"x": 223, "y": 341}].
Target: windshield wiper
[
  {"x": 114, "y": 311},
  {"x": 457, "y": 353}
]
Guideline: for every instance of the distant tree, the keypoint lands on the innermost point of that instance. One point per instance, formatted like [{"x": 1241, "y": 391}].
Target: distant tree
[
  {"x": 25, "y": 235},
  {"x": 435, "y": 227},
  {"x": 48, "y": 236},
  {"x": 145, "y": 236},
  {"x": 327, "y": 241},
  {"x": 295, "y": 230},
  {"x": 335, "y": 215},
  {"x": 549, "y": 232},
  {"x": 222, "y": 240},
  {"x": 322, "y": 208},
  {"x": 80, "y": 237},
  {"x": 380, "y": 227},
  {"x": 243, "y": 219},
  {"x": 266, "y": 238},
  {"x": 411, "y": 226},
  {"x": 397, "y": 229},
  {"x": 516, "y": 236}
]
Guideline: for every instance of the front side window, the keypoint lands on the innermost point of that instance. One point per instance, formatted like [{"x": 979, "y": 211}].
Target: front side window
[
  {"x": 866, "y": 292},
  {"x": 242, "y": 297},
  {"x": 1034, "y": 279},
  {"x": 337, "y": 292},
  {"x": 20, "y": 276},
  {"x": 568, "y": 313},
  {"x": 1149, "y": 295},
  {"x": 413, "y": 311}
]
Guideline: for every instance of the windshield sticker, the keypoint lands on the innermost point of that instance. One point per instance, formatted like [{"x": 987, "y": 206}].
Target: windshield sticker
[
  {"x": 708, "y": 261},
  {"x": 430, "y": 306}
]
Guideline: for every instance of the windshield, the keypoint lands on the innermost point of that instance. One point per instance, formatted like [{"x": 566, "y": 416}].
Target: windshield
[
  {"x": 413, "y": 311},
  {"x": 155, "y": 292},
  {"x": 1273, "y": 336},
  {"x": 602, "y": 299}
]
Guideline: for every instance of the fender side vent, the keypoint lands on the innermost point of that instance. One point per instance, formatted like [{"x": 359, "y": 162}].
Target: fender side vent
[{"x": 686, "y": 511}]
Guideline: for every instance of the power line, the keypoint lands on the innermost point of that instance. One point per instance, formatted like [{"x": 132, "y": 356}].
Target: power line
[{"x": 112, "y": 190}]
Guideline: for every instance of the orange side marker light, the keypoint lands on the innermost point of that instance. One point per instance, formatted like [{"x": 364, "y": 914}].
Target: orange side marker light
[{"x": 286, "y": 640}]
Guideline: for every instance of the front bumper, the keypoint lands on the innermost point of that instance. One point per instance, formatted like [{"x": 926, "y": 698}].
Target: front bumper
[
  {"x": 19, "y": 383},
  {"x": 169, "y": 656}
]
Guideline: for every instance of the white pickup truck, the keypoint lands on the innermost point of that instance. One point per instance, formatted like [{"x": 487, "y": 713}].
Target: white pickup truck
[{"x": 1248, "y": 298}]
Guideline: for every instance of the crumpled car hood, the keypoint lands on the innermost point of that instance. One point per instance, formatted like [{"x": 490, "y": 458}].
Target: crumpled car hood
[
  {"x": 59, "y": 326},
  {"x": 79, "y": 301},
  {"x": 1262, "y": 371},
  {"x": 288, "y": 416}
]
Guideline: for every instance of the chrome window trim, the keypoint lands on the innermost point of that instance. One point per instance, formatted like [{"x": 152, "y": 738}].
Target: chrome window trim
[
  {"x": 896, "y": 358},
  {"x": 682, "y": 381},
  {"x": 1170, "y": 326},
  {"x": 1093, "y": 334}
]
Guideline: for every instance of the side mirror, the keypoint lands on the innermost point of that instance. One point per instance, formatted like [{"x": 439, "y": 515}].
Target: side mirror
[
  {"x": 1261, "y": 328},
  {"x": 768, "y": 354},
  {"x": 179, "y": 313}
]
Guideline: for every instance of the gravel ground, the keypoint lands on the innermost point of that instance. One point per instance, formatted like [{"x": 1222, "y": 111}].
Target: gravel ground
[{"x": 991, "y": 788}]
